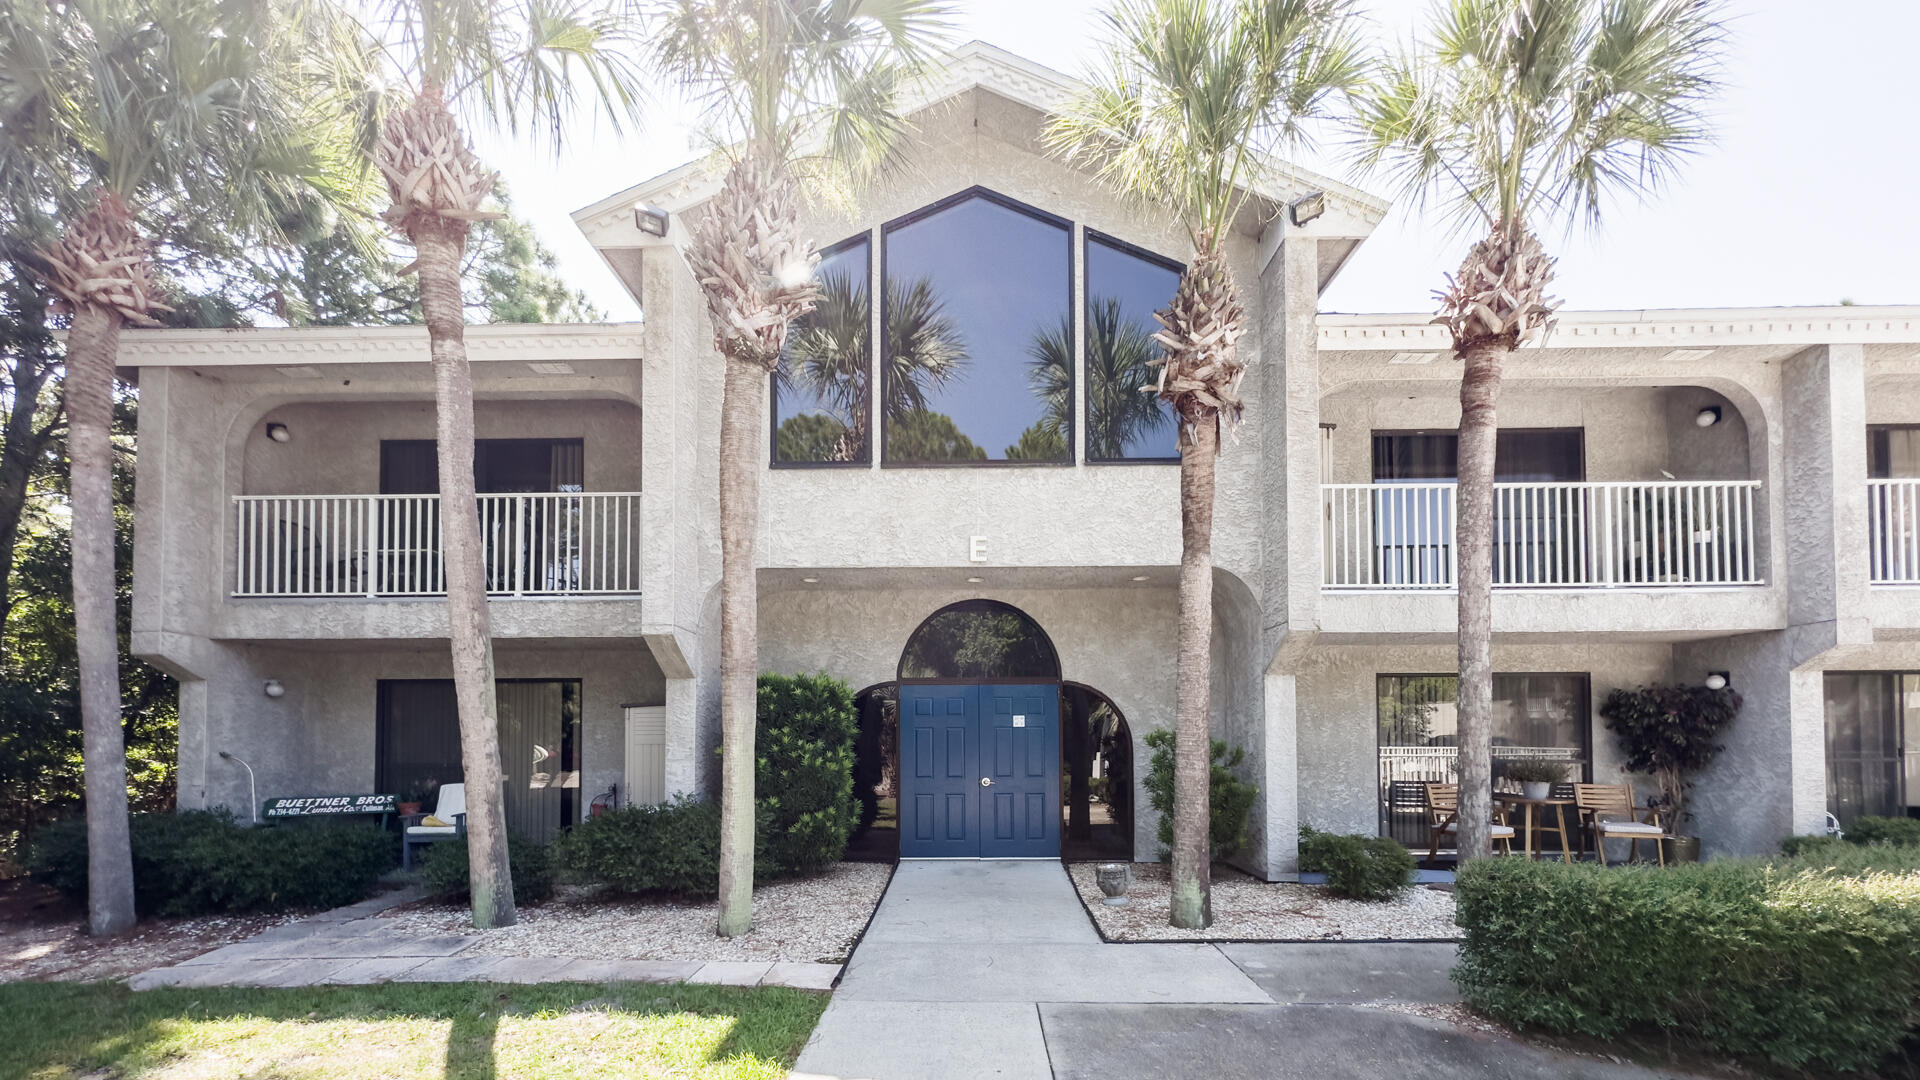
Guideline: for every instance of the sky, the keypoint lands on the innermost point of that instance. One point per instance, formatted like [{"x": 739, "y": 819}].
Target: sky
[{"x": 1807, "y": 195}]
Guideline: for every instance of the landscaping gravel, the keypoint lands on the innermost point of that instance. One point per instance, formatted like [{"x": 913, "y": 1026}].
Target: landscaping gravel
[
  {"x": 808, "y": 920},
  {"x": 1246, "y": 909}
]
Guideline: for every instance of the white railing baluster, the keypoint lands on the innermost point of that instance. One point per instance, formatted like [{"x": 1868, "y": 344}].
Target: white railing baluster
[
  {"x": 1610, "y": 534},
  {"x": 1893, "y": 532}
]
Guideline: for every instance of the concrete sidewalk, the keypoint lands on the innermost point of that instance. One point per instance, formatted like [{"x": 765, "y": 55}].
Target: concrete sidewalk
[
  {"x": 350, "y": 946},
  {"x": 992, "y": 969}
]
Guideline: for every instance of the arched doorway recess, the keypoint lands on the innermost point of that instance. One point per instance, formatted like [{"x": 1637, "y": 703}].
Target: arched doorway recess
[{"x": 980, "y": 749}]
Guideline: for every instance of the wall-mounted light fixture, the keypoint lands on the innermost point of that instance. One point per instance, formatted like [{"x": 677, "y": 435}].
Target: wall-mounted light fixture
[
  {"x": 279, "y": 433},
  {"x": 1708, "y": 416},
  {"x": 1307, "y": 207},
  {"x": 1717, "y": 680},
  {"x": 650, "y": 219},
  {"x": 273, "y": 689}
]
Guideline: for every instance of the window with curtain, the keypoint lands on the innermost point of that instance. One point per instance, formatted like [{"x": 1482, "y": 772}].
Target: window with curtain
[
  {"x": 1893, "y": 452},
  {"x": 821, "y": 401},
  {"x": 1125, "y": 286},
  {"x": 1535, "y": 716},
  {"x": 978, "y": 347},
  {"x": 1870, "y": 768},
  {"x": 417, "y": 747}
]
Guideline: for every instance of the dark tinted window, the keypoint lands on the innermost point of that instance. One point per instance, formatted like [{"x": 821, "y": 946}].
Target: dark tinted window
[
  {"x": 820, "y": 411},
  {"x": 979, "y": 336},
  {"x": 1893, "y": 452},
  {"x": 979, "y": 639},
  {"x": 1124, "y": 289},
  {"x": 1548, "y": 456},
  {"x": 412, "y": 466}
]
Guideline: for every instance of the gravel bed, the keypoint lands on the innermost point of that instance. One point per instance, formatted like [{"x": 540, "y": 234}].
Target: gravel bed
[
  {"x": 1246, "y": 909},
  {"x": 808, "y": 920}
]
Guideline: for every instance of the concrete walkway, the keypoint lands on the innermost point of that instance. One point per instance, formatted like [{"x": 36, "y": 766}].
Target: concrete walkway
[
  {"x": 349, "y": 946},
  {"x": 992, "y": 969}
]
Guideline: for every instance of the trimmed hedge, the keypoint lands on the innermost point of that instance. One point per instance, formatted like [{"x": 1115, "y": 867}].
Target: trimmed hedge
[
  {"x": 198, "y": 862},
  {"x": 1897, "y": 832},
  {"x": 1357, "y": 867},
  {"x": 803, "y": 777},
  {"x": 670, "y": 848},
  {"x": 446, "y": 870},
  {"x": 1812, "y": 962},
  {"x": 1229, "y": 798}
]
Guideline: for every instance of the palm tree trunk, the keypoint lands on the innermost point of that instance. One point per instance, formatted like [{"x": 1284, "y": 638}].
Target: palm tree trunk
[
  {"x": 440, "y": 245},
  {"x": 740, "y": 418},
  {"x": 1193, "y": 742},
  {"x": 92, "y": 347},
  {"x": 1479, "y": 431}
]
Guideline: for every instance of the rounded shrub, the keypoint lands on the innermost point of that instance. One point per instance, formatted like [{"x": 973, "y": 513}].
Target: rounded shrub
[
  {"x": 1357, "y": 867},
  {"x": 446, "y": 870},
  {"x": 803, "y": 777},
  {"x": 670, "y": 848}
]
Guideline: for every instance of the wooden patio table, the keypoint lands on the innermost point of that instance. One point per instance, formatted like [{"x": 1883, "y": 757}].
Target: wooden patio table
[{"x": 1526, "y": 832}]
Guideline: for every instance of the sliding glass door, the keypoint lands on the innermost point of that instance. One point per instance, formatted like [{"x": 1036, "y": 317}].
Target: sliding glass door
[
  {"x": 1534, "y": 527},
  {"x": 1872, "y": 768},
  {"x": 417, "y": 746},
  {"x": 1535, "y": 717}
]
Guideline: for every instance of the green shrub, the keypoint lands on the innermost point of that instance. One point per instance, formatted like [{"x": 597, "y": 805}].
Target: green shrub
[
  {"x": 1357, "y": 867},
  {"x": 670, "y": 848},
  {"x": 803, "y": 776},
  {"x": 1812, "y": 962},
  {"x": 1896, "y": 832},
  {"x": 446, "y": 870},
  {"x": 1230, "y": 798},
  {"x": 199, "y": 862}
]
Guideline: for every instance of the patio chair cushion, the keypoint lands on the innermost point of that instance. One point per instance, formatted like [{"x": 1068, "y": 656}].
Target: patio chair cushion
[
  {"x": 1630, "y": 828},
  {"x": 431, "y": 830},
  {"x": 1499, "y": 831}
]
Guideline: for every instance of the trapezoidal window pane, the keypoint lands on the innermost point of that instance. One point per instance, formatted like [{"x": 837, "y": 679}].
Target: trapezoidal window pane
[
  {"x": 978, "y": 361},
  {"x": 821, "y": 389},
  {"x": 1124, "y": 421}
]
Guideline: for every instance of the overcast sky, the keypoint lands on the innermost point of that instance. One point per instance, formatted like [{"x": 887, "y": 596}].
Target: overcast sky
[{"x": 1807, "y": 197}]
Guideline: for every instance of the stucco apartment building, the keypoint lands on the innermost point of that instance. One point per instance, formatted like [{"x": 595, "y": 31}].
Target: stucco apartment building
[{"x": 977, "y": 526}]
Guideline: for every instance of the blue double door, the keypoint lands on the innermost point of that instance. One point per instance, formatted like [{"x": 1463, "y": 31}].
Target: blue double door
[{"x": 980, "y": 771}]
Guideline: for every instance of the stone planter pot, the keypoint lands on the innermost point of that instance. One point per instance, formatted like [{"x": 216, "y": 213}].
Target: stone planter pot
[
  {"x": 1682, "y": 849},
  {"x": 406, "y": 808},
  {"x": 1536, "y": 789},
  {"x": 1114, "y": 879}
]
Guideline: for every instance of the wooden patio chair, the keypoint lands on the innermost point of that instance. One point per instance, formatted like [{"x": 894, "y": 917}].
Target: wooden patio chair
[
  {"x": 1611, "y": 815},
  {"x": 1443, "y": 811}
]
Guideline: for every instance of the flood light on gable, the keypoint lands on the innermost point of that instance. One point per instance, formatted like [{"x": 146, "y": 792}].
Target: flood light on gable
[{"x": 650, "y": 219}]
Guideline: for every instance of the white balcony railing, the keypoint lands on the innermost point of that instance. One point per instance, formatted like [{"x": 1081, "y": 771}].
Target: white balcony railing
[
  {"x": 547, "y": 544},
  {"x": 1663, "y": 534},
  {"x": 1893, "y": 532}
]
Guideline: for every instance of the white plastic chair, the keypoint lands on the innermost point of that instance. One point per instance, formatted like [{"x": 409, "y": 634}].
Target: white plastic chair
[{"x": 450, "y": 806}]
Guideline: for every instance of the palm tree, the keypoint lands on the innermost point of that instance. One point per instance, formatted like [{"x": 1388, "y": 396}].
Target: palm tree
[
  {"x": 770, "y": 71},
  {"x": 114, "y": 113},
  {"x": 509, "y": 65},
  {"x": 1515, "y": 113},
  {"x": 1191, "y": 93}
]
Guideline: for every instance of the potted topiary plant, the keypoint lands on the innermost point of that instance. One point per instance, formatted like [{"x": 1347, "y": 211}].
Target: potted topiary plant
[
  {"x": 1670, "y": 732},
  {"x": 1535, "y": 776}
]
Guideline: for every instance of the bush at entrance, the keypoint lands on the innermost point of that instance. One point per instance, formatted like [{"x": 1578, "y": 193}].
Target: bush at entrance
[
  {"x": 198, "y": 862},
  {"x": 446, "y": 870},
  {"x": 1812, "y": 962},
  {"x": 804, "y": 776},
  {"x": 670, "y": 848},
  {"x": 1357, "y": 867},
  {"x": 1230, "y": 798}
]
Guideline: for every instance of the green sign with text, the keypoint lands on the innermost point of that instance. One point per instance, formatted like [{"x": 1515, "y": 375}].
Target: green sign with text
[{"x": 318, "y": 805}]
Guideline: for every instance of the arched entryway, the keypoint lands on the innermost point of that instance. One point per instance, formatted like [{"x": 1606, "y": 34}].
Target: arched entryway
[{"x": 993, "y": 754}]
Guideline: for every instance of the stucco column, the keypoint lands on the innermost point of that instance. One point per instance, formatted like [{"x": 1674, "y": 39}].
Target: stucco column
[{"x": 1825, "y": 445}]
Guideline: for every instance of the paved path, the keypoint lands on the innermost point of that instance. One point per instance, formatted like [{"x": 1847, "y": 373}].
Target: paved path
[
  {"x": 992, "y": 969},
  {"x": 348, "y": 946}
]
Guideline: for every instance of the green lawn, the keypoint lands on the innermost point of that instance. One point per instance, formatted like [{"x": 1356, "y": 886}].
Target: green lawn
[{"x": 465, "y": 1030}]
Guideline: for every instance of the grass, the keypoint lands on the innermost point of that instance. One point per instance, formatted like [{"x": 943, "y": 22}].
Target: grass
[{"x": 460, "y": 1031}]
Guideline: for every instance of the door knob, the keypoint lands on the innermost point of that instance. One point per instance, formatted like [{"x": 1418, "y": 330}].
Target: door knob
[{"x": 986, "y": 781}]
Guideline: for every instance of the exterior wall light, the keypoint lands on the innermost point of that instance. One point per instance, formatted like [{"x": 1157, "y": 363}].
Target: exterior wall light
[
  {"x": 811, "y": 580},
  {"x": 1717, "y": 680},
  {"x": 273, "y": 689},
  {"x": 253, "y": 793},
  {"x": 975, "y": 580},
  {"x": 1307, "y": 207},
  {"x": 1708, "y": 416},
  {"x": 279, "y": 433},
  {"x": 650, "y": 220}
]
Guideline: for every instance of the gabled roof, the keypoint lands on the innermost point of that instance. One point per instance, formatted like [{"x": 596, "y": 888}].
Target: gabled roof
[{"x": 975, "y": 65}]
